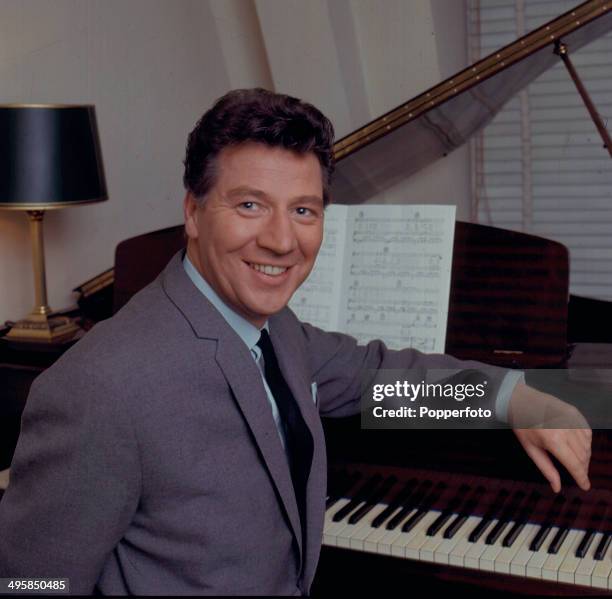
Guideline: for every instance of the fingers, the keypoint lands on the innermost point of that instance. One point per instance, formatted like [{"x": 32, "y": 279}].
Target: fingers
[
  {"x": 572, "y": 447},
  {"x": 543, "y": 462},
  {"x": 574, "y": 453},
  {"x": 566, "y": 435}
]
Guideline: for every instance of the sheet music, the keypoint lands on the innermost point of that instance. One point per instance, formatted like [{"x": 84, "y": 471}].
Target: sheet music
[
  {"x": 399, "y": 266},
  {"x": 391, "y": 281}
]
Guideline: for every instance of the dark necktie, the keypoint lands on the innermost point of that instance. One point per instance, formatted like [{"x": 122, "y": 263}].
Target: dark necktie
[{"x": 297, "y": 435}]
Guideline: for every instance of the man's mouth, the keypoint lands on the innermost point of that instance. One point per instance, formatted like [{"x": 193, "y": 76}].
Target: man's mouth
[{"x": 268, "y": 269}]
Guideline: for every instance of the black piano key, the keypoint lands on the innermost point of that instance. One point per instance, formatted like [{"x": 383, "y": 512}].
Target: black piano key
[
  {"x": 488, "y": 517},
  {"x": 366, "y": 490},
  {"x": 558, "y": 540},
  {"x": 479, "y": 529},
  {"x": 496, "y": 531},
  {"x": 514, "y": 532},
  {"x": 551, "y": 517},
  {"x": 399, "y": 517},
  {"x": 600, "y": 552},
  {"x": 598, "y": 516},
  {"x": 397, "y": 503},
  {"x": 413, "y": 520},
  {"x": 409, "y": 505},
  {"x": 464, "y": 513},
  {"x": 540, "y": 537},
  {"x": 447, "y": 513},
  {"x": 426, "y": 504},
  {"x": 454, "y": 526},
  {"x": 342, "y": 486},
  {"x": 567, "y": 521},
  {"x": 439, "y": 522},
  {"x": 373, "y": 500},
  {"x": 508, "y": 514},
  {"x": 585, "y": 543},
  {"x": 522, "y": 519}
]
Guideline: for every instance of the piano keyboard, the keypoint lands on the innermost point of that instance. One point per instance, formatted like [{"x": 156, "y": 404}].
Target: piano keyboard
[{"x": 487, "y": 525}]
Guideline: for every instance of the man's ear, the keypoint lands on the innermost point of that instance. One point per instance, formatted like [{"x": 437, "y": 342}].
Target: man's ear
[{"x": 191, "y": 214}]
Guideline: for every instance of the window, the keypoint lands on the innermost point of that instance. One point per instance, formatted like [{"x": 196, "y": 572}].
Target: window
[{"x": 540, "y": 166}]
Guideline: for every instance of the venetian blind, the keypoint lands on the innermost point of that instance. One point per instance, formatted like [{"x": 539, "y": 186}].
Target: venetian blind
[{"x": 540, "y": 166}]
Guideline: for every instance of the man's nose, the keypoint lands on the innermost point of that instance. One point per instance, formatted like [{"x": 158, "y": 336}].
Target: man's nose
[{"x": 278, "y": 234}]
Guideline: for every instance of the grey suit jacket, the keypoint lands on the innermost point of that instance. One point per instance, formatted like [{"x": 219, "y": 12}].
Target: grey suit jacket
[{"x": 149, "y": 461}]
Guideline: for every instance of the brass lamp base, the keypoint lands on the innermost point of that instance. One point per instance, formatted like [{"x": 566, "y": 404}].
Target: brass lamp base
[{"x": 42, "y": 328}]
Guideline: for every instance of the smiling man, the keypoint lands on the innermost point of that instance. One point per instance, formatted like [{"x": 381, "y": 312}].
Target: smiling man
[
  {"x": 256, "y": 236},
  {"x": 177, "y": 448}
]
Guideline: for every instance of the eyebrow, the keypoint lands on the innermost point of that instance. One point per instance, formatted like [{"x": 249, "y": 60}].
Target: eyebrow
[{"x": 238, "y": 191}]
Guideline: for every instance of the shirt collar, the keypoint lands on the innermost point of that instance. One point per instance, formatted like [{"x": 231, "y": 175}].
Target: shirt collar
[{"x": 244, "y": 329}]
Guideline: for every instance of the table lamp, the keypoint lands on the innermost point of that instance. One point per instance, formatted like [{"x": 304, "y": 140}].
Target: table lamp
[{"x": 50, "y": 158}]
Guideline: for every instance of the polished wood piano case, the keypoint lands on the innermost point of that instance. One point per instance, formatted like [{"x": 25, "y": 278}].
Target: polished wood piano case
[{"x": 508, "y": 306}]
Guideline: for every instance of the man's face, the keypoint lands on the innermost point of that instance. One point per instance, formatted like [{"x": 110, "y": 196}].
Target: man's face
[{"x": 256, "y": 236}]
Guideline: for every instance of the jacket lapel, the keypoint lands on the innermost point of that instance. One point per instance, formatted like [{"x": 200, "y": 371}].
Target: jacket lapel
[
  {"x": 242, "y": 375},
  {"x": 244, "y": 378}
]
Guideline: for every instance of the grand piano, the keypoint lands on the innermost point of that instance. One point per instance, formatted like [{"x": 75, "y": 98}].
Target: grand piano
[
  {"x": 457, "y": 511},
  {"x": 460, "y": 511}
]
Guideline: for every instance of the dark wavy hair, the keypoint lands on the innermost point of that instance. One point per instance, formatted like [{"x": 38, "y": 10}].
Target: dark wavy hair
[{"x": 256, "y": 115}]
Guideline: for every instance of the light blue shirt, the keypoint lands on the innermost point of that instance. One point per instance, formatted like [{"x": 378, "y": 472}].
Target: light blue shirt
[{"x": 244, "y": 329}]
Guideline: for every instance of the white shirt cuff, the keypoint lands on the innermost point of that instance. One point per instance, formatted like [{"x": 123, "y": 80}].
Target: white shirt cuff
[{"x": 512, "y": 378}]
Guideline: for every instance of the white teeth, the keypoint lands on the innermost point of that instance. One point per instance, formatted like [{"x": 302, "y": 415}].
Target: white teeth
[{"x": 269, "y": 270}]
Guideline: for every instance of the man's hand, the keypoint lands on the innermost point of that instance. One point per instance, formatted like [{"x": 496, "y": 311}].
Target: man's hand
[{"x": 544, "y": 424}]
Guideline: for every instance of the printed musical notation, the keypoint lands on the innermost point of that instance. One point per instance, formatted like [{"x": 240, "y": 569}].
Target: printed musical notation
[{"x": 383, "y": 273}]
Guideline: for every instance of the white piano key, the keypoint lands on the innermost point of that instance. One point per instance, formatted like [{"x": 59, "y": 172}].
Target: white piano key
[
  {"x": 409, "y": 543},
  {"x": 381, "y": 539},
  {"x": 331, "y": 528},
  {"x": 550, "y": 569},
  {"x": 446, "y": 548},
  {"x": 507, "y": 554},
  {"x": 427, "y": 552},
  {"x": 359, "y": 537},
  {"x": 489, "y": 557},
  {"x": 538, "y": 558},
  {"x": 602, "y": 571},
  {"x": 460, "y": 550},
  {"x": 569, "y": 566},
  {"x": 472, "y": 557},
  {"x": 584, "y": 572},
  {"x": 345, "y": 536}
]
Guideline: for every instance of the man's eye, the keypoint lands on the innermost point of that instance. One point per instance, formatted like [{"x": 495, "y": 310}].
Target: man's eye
[
  {"x": 248, "y": 205},
  {"x": 303, "y": 211}
]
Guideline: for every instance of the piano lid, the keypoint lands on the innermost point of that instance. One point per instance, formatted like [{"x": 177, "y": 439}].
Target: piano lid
[{"x": 404, "y": 140}]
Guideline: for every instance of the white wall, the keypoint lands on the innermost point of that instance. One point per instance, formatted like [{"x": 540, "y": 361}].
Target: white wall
[
  {"x": 152, "y": 67},
  {"x": 372, "y": 55}
]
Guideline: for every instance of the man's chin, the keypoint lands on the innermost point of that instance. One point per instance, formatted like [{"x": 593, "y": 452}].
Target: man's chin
[{"x": 266, "y": 309}]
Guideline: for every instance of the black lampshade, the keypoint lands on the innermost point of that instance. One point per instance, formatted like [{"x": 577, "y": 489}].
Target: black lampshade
[{"x": 50, "y": 157}]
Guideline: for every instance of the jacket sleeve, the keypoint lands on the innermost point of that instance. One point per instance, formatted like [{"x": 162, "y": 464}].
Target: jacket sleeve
[
  {"x": 74, "y": 482},
  {"x": 340, "y": 366}
]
